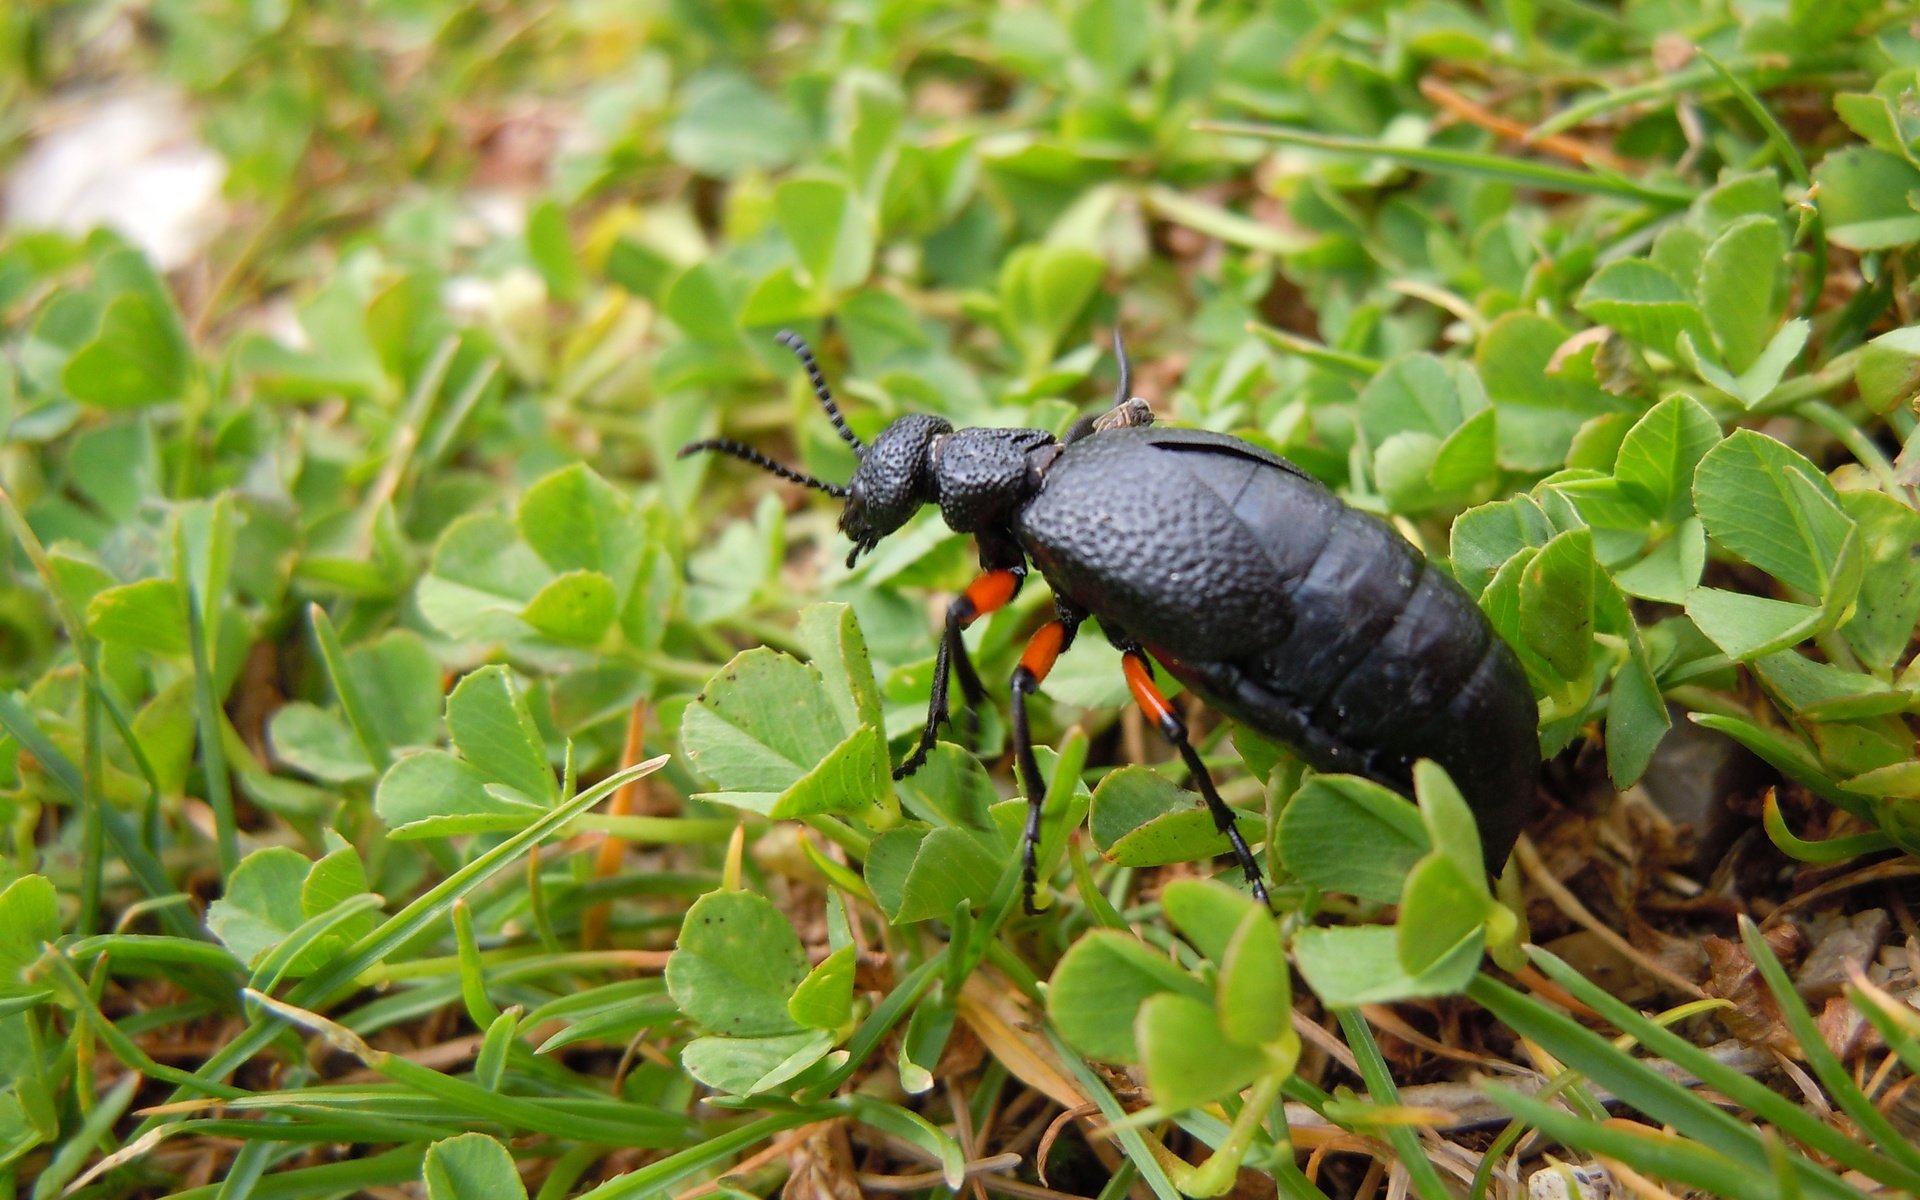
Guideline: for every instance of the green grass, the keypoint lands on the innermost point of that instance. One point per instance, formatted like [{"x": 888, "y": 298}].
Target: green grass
[{"x": 416, "y": 777}]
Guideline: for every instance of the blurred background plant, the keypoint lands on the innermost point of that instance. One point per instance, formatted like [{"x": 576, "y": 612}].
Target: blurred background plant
[{"x": 349, "y": 570}]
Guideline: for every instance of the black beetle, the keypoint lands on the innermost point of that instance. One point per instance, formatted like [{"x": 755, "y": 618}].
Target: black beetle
[{"x": 1305, "y": 619}]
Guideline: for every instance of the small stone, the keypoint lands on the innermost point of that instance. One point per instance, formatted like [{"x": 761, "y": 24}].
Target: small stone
[
  {"x": 1564, "y": 1181},
  {"x": 129, "y": 161},
  {"x": 1844, "y": 948},
  {"x": 1695, "y": 778}
]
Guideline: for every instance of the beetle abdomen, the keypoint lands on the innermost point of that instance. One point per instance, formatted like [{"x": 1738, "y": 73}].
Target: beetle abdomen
[
  {"x": 1481, "y": 724},
  {"x": 1289, "y": 611}
]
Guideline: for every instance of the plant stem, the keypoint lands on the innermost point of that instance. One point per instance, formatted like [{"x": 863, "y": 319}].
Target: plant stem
[{"x": 1216, "y": 1176}]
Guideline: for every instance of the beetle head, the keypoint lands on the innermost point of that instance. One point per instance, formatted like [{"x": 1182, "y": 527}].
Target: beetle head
[{"x": 894, "y": 477}]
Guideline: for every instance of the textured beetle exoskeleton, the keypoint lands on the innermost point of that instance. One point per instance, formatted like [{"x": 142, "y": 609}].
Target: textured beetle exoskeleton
[
  {"x": 1303, "y": 618},
  {"x": 1291, "y": 612}
]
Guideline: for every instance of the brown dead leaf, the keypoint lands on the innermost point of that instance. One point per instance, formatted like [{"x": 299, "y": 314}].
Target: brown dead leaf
[
  {"x": 1006, "y": 1026},
  {"x": 1250, "y": 1184},
  {"x": 822, "y": 1167},
  {"x": 1595, "y": 337},
  {"x": 963, "y": 1055},
  {"x": 1841, "y": 1026},
  {"x": 1754, "y": 1018},
  {"x": 1597, "y": 959}
]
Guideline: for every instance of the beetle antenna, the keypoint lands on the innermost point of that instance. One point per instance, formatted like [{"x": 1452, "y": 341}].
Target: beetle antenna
[
  {"x": 803, "y": 352},
  {"x": 749, "y": 454},
  {"x": 1124, "y": 392}
]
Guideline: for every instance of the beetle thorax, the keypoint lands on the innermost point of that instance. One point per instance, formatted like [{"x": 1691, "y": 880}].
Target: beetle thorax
[{"x": 981, "y": 475}]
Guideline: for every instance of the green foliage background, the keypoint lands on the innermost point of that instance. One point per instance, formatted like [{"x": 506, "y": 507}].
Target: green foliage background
[{"x": 340, "y": 558}]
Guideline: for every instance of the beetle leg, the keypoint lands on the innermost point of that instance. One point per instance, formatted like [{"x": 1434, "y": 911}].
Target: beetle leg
[
  {"x": 984, "y": 595},
  {"x": 1000, "y": 558},
  {"x": 1147, "y": 694},
  {"x": 1047, "y": 644}
]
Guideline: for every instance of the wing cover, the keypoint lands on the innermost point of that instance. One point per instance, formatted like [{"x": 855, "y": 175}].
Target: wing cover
[
  {"x": 1289, "y": 611},
  {"x": 1172, "y": 531}
]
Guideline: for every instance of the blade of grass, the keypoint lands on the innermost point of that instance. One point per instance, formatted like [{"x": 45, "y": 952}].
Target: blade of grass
[
  {"x": 339, "y": 976},
  {"x": 915, "y": 1130},
  {"x": 274, "y": 967},
  {"x": 1750, "y": 1093},
  {"x": 435, "y": 447},
  {"x": 1219, "y": 223},
  {"x": 244, "y": 1172},
  {"x": 1613, "y": 98},
  {"x": 207, "y": 716},
  {"x": 1564, "y": 1082},
  {"x": 1120, "y": 1182},
  {"x": 379, "y": 1101},
  {"x": 537, "y": 904},
  {"x": 1815, "y": 225},
  {"x": 885, "y": 1015},
  {"x": 566, "y": 1172},
  {"x": 92, "y": 838},
  {"x": 76, "y": 1150},
  {"x": 1645, "y": 1149},
  {"x": 656, "y": 831},
  {"x": 87, "y": 795},
  {"x": 1381, "y": 1090},
  {"x": 116, "y": 711},
  {"x": 1132, "y": 1142},
  {"x": 404, "y": 437},
  {"x": 481, "y": 1009},
  {"x": 354, "y": 1177},
  {"x": 638, "y": 1127},
  {"x": 1090, "y": 895},
  {"x": 352, "y": 704},
  {"x": 1826, "y": 1065},
  {"x": 1899, "y": 1026},
  {"x": 297, "y": 1125},
  {"x": 153, "y": 948},
  {"x": 655, "y": 1178},
  {"x": 1782, "y": 143},
  {"x": 1645, "y": 1090},
  {"x": 146, "y": 869},
  {"x": 24, "y": 1001},
  {"x": 1830, "y": 850},
  {"x": 1357, "y": 366},
  {"x": 1779, "y": 1160},
  {"x": 1463, "y": 162},
  {"x": 122, "y": 1047},
  {"x": 439, "y": 899}
]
